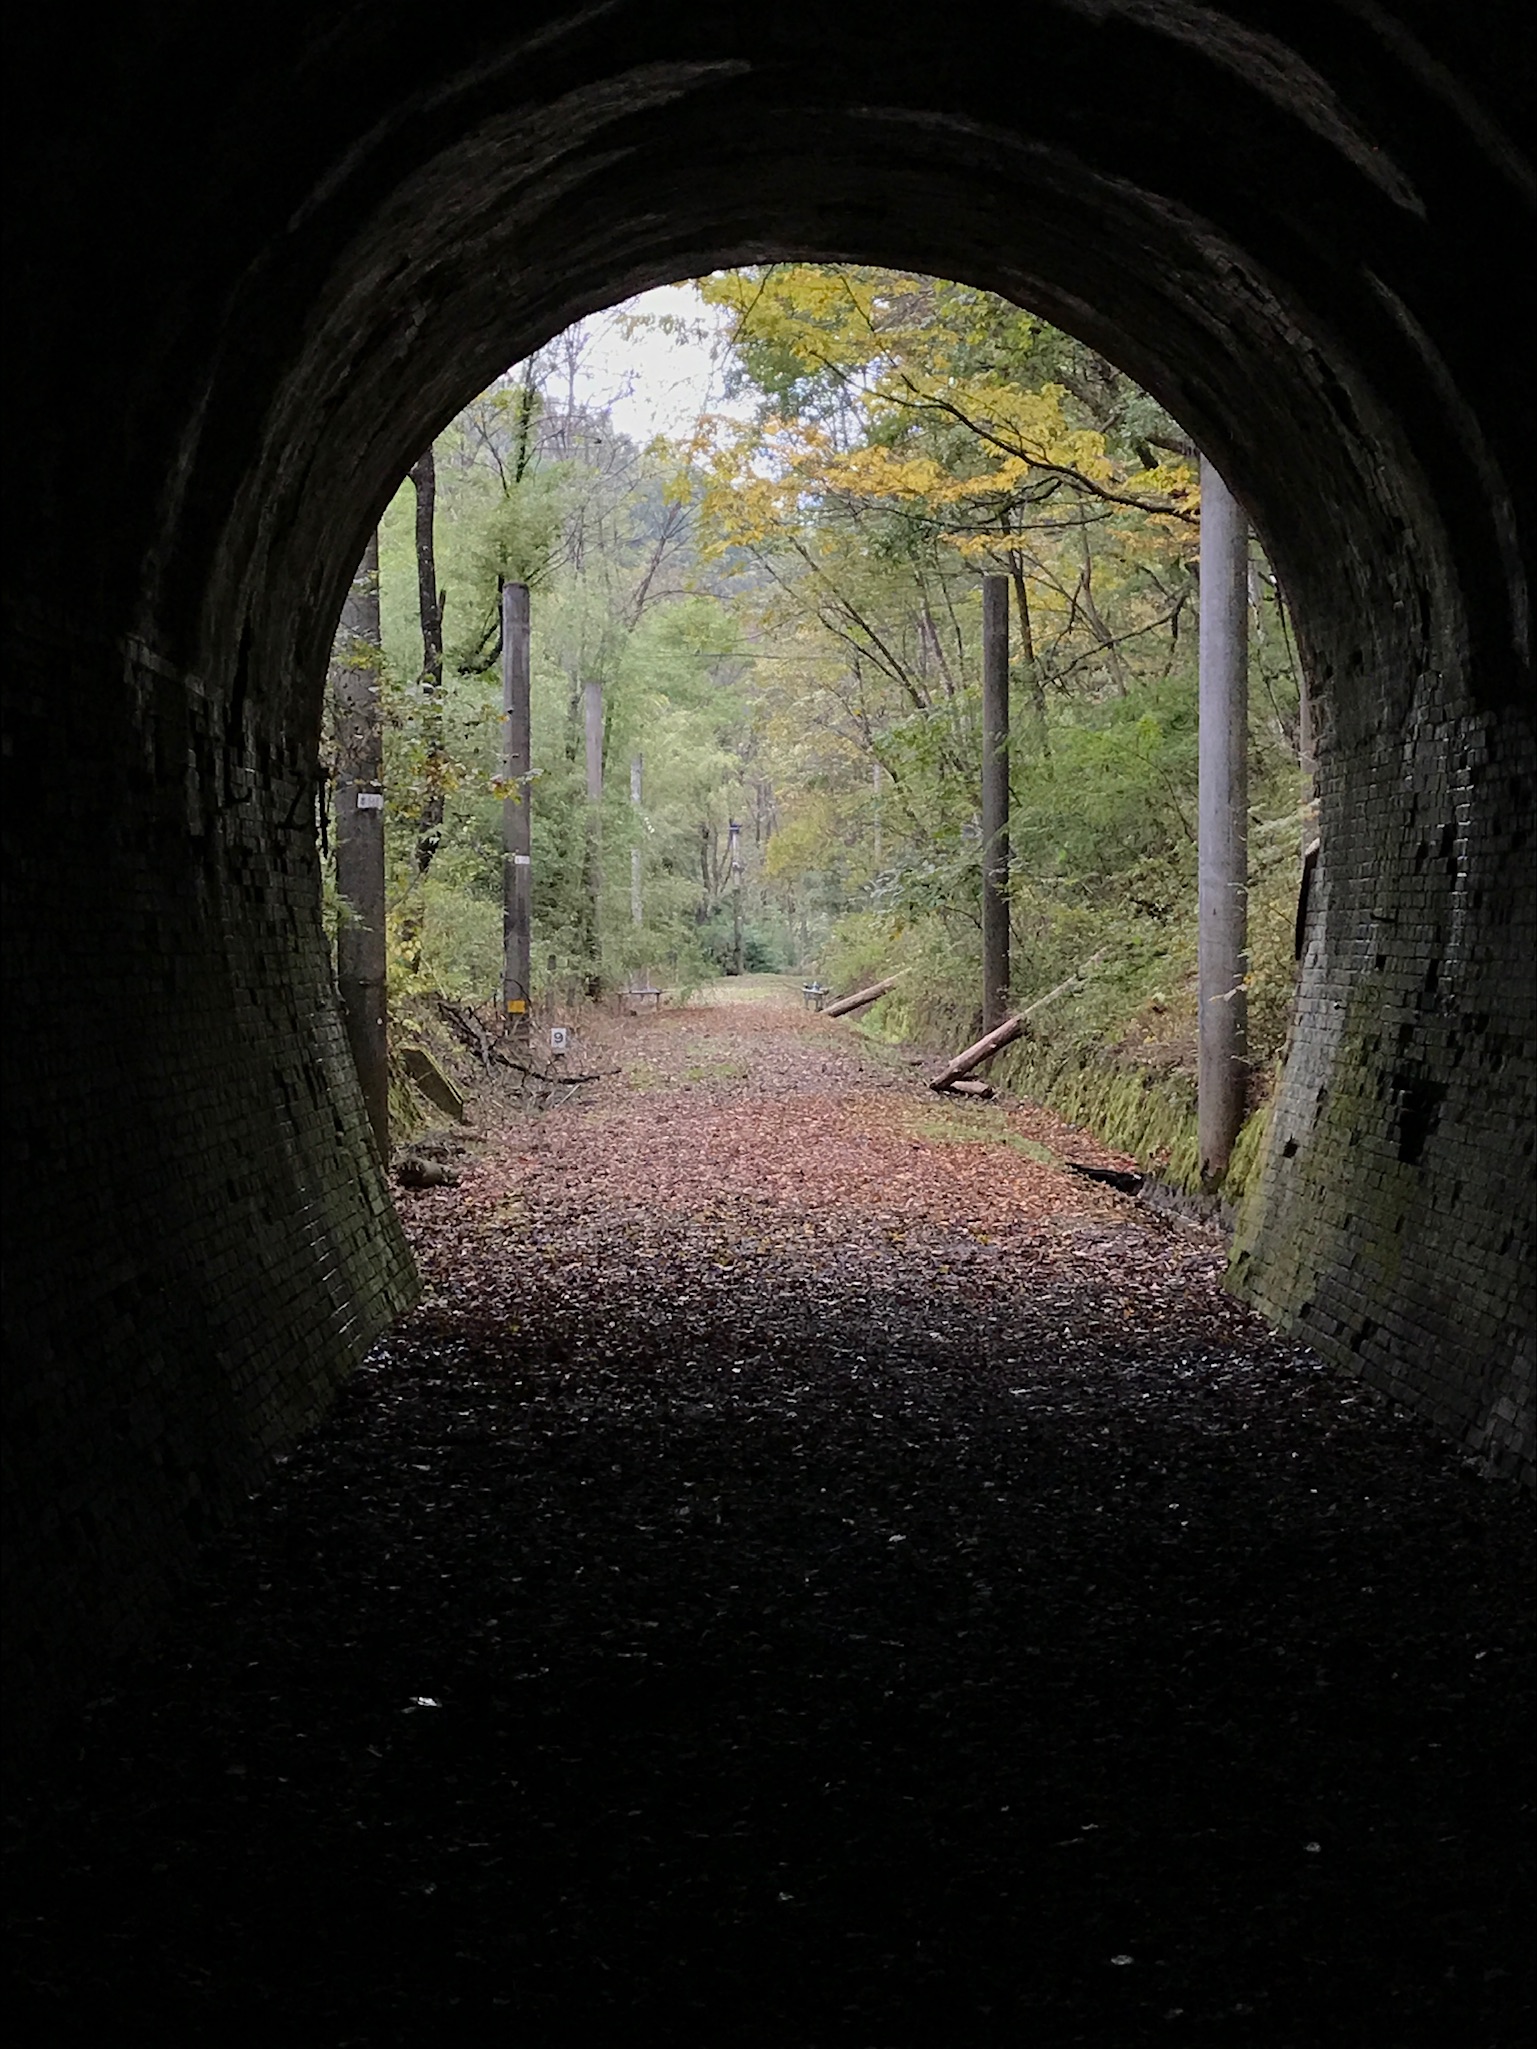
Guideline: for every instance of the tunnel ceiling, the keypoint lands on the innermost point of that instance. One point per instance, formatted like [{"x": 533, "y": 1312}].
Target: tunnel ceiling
[{"x": 1283, "y": 226}]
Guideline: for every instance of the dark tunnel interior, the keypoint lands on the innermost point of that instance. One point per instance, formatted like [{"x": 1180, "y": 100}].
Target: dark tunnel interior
[{"x": 258, "y": 259}]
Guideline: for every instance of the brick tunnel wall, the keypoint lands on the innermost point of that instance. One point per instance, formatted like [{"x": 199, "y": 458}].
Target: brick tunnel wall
[
  {"x": 200, "y": 1242},
  {"x": 1393, "y": 1226}
]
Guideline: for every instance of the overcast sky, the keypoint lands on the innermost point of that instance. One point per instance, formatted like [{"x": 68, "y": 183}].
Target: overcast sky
[{"x": 654, "y": 383}]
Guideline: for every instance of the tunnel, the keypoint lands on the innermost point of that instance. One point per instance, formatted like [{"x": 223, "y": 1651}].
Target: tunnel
[{"x": 258, "y": 258}]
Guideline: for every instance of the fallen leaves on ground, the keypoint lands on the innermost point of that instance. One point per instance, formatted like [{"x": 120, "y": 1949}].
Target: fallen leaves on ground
[{"x": 813, "y": 1572}]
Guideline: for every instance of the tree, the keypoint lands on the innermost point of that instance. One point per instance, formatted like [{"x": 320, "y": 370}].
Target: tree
[{"x": 430, "y": 605}]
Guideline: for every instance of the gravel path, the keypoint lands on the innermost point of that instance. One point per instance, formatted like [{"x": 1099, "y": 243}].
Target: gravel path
[{"x": 812, "y": 1572}]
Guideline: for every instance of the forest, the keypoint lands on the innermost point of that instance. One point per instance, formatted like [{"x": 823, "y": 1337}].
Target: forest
[{"x": 756, "y": 688}]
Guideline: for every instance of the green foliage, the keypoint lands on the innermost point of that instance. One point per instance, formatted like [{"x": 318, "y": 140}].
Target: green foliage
[
  {"x": 603, "y": 533},
  {"x": 516, "y": 538},
  {"x": 461, "y": 934}
]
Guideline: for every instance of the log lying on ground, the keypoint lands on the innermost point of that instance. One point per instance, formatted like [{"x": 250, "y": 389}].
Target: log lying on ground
[
  {"x": 980, "y": 1089},
  {"x": 861, "y": 997},
  {"x": 974, "y": 1055},
  {"x": 1009, "y": 1030}
]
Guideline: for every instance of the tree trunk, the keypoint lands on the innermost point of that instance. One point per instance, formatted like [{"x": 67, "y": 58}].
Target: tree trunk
[
  {"x": 1031, "y": 667},
  {"x": 734, "y": 843},
  {"x": 1093, "y": 615},
  {"x": 995, "y": 1041},
  {"x": 1223, "y": 852},
  {"x": 637, "y": 905},
  {"x": 525, "y": 422},
  {"x": 861, "y": 997},
  {"x": 983, "y": 1049},
  {"x": 430, "y": 605},
  {"x": 360, "y": 938}
]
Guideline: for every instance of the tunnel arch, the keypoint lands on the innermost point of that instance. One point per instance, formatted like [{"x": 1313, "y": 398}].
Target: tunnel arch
[{"x": 321, "y": 231}]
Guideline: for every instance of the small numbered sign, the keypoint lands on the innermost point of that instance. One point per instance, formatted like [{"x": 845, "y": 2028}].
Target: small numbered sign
[{"x": 560, "y": 1038}]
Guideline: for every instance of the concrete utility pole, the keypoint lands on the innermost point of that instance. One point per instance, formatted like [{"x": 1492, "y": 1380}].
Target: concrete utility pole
[
  {"x": 1223, "y": 891},
  {"x": 637, "y": 907},
  {"x": 995, "y": 800},
  {"x": 734, "y": 838},
  {"x": 517, "y": 876},
  {"x": 360, "y": 964}
]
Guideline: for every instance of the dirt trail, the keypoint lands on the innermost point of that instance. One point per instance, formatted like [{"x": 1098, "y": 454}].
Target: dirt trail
[
  {"x": 813, "y": 1572},
  {"x": 752, "y": 1138}
]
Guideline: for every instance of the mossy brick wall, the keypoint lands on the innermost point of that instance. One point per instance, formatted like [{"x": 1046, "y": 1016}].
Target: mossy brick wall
[
  {"x": 1392, "y": 1224},
  {"x": 200, "y": 1239},
  {"x": 1146, "y": 1114},
  {"x": 1385, "y": 1193}
]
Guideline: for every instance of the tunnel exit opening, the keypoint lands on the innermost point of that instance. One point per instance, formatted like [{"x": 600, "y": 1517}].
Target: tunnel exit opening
[{"x": 807, "y": 562}]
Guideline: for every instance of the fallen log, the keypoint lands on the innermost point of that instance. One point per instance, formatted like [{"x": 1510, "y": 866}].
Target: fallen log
[
  {"x": 1008, "y": 1031},
  {"x": 982, "y": 1090},
  {"x": 862, "y": 996},
  {"x": 984, "y": 1049}
]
